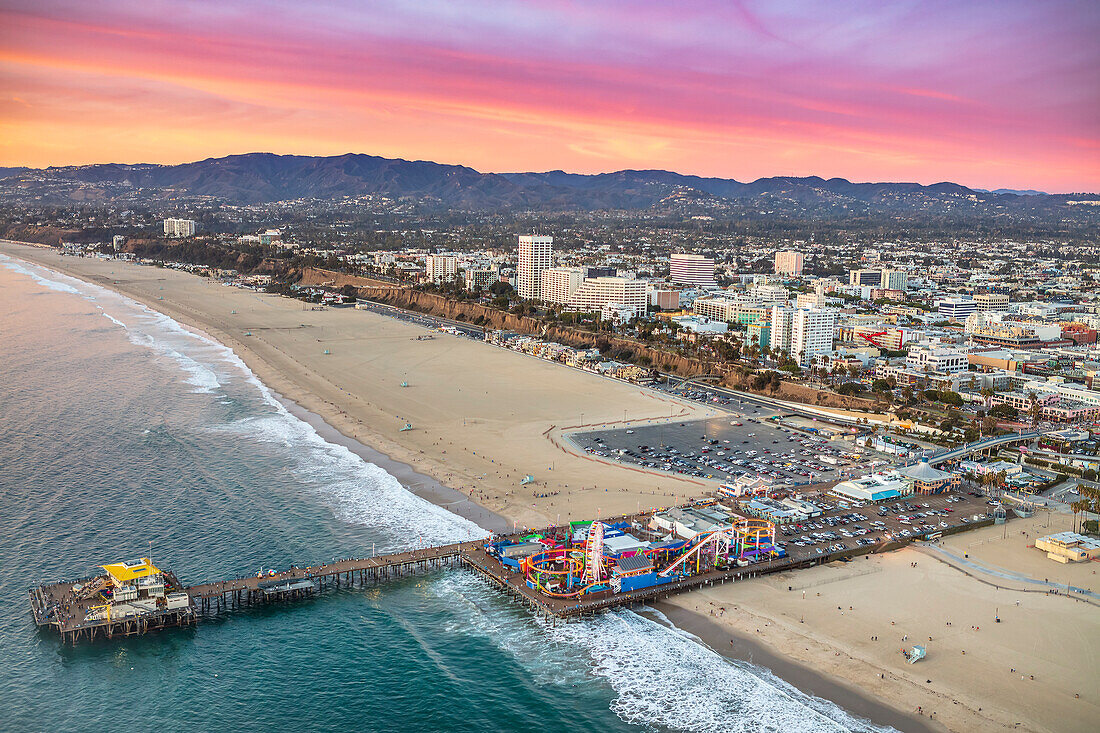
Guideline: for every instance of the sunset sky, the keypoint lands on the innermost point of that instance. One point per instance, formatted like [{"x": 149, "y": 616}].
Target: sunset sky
[{"x": 988, "y": 94}]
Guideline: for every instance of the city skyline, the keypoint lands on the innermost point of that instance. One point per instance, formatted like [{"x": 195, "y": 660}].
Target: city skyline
[{"x": 1005, "y": 95}]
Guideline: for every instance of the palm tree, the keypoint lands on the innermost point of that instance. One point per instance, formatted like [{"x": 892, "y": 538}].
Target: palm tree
[
  {"x": 1033, "y": 407},
  {"x": 1077, "y": 507}
]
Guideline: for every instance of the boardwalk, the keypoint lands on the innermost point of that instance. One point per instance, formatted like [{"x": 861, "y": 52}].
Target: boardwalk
[{"x": 298, "y": 581}]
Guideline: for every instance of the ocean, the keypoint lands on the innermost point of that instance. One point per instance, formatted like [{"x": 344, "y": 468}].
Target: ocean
[{"x": 124, "y": 434}]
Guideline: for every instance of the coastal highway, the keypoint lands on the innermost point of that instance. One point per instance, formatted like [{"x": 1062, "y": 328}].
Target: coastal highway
[{"x": 420, "y": 319}]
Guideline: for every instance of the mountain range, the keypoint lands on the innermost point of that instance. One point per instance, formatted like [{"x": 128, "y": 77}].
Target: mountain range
[{"x": 256, "y": 178}]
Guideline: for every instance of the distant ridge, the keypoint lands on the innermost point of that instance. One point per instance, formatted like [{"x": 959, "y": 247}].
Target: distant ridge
[{"x": 254, "y": 178}]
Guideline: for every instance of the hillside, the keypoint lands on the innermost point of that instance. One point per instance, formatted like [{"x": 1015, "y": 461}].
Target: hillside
[{"x": 256, "y": 178}]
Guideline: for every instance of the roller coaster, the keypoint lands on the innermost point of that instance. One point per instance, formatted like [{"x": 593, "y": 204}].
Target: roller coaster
[{"x": 575, "y": 568}]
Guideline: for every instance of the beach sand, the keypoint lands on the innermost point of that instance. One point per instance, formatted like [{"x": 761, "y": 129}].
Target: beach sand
[
  {"x": 978, "y": 672},
  {"x": 483, "y": 417}
]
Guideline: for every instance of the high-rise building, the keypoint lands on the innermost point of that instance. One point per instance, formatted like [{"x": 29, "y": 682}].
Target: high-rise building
[
  {"x": 557, "y": 284},
  {"x": 788, "y": 262},
  {"x": 597, "y": 292},
  {"x": 803, "y": 333},
  {"x": 442, "y": 268},
  {"x": 686, "y": 269},
  {"x": 534, "y": 257},
  {"x": 177, "y": 228}
]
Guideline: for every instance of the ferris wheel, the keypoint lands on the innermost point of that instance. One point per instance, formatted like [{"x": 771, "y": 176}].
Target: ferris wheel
[{"x": 593, "y": 566}]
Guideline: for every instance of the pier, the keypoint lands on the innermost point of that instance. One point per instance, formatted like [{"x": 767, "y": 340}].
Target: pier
[{"x": 551, "y": 574}]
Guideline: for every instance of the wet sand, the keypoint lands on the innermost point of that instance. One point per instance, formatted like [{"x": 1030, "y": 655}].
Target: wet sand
[
  {"x": 744, "y": 648},
  {"x": 484, "y": 417}
]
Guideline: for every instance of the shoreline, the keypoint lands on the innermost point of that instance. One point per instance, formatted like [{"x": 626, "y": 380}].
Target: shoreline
[
  {"x": 425, "y": 486},
  {"x": 410, "y": 479},
  {"x": 851, "y": 699},
  {"x": 806, "y": 663}
]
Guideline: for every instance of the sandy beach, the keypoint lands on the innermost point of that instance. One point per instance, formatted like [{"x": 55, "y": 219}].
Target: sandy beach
[
  {"x": 850, "y": 620},
  {"x": 484, "y": 417}
]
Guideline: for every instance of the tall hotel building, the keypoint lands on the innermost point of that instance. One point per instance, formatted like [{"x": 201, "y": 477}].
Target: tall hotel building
[
  {"x": 685, "y": 269},
  {"x": 534, "y": 257}
]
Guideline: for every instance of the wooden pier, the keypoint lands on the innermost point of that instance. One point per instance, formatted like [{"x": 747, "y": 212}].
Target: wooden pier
[
  {"x": 78, "y": 610},
  {"x": 298, "y": 582}
]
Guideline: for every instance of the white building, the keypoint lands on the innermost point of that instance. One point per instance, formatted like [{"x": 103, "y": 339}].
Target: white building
[
  {"x": 534, "y": 257},
  {"x": 810, "y": 300},
  {"x": 688, "y": 269},
  {"x": 557, "y": 284},
  {"x": 803, "y": 333},
  {"x": 957, "y": 309},
  {"x": 788, "y": 262},
  {"x": 932, "y": 359},
  {"x": 117, "y": 241},
  {"x": 177, "y": 228},
  {"x": 769, "y": 294},
  {"x": 442, "y": 268},
  {"x": 597, "y": 292},
  {"x": 700, "y": 324}
]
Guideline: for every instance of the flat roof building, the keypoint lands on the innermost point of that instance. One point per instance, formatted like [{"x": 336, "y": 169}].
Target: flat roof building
[
  {"x": 687, "y": 269},
  {"x": 788, "y": 262}
]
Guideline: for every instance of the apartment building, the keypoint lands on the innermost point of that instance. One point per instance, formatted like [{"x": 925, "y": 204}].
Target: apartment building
[
  {"x": 788, "y": 262},
  {"x": 558, "y": 284},
  {"x": 534, "y": 256},
  {"x": 441, "y": 268},
  {"x": 179, "y": 228},
  {"x": 803, "y": 333},
  {"x": 596, "y": 293}
]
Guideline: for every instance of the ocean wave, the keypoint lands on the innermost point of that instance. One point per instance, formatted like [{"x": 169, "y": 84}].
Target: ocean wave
[
  {"x": 53, "y": 283},
  {"x": 358, "y": 492},
  {"x": 660, "y": 676}
]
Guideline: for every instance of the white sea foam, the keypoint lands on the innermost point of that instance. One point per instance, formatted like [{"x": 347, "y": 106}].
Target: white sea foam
[
  {"x": 358, "y": 491},
  {"x": 55, "y": 281},
  {"x": 660, "y": 676}
]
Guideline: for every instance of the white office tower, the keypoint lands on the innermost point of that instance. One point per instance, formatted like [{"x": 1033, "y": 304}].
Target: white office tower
[
  {"x": 803, "y": 333},
  {"x": 442, "y": 268},
  {"x": 788, "y": 262},
  {"x": 686, "y": 269},
  {"x": 177, "y": 228},
  {"x": 558, "y": 284},
  {"x": 597, "y": 292},
  {"x": 534, "y": 257}
]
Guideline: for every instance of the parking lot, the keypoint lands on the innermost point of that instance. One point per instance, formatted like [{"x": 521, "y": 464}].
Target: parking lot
[
  {"x": 722, "y": 449},
  {"x": 847, "y": 525}
]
